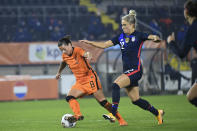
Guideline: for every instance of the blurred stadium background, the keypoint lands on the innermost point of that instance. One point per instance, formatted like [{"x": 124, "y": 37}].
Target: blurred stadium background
[{"x": 30, "y": 29}]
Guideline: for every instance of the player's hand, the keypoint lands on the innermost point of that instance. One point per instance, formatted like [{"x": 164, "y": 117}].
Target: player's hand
[
  {"x": 156, "y": 38},
  {"x": 58, "y": 76},
  {"x": 114, "y": 109},
  {"x": 171, "y": 38}
]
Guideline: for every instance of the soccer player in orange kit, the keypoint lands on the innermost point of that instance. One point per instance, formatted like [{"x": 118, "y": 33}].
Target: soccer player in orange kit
[{"x": 87, "y": 81}]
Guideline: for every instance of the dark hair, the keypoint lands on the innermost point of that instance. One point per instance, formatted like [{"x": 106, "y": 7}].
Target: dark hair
[
  {"x": 191, "y": 6},
  {"x": 64, "y": 41}
]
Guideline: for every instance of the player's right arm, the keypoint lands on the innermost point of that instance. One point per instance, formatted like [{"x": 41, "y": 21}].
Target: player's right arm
[
  {"x": 98, "y": 44},
  {"x": 61, "y": 67}
]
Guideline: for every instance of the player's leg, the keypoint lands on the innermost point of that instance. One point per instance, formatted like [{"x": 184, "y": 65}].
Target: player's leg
[
  {"x": 121, "y": 82},
  {"x": 133, "y": 93},
  {"x": 95, "y": 88},
  {"x": 192, "y": 94},
  {"x": 99, "y": 96},
  {"x": 74, "y": 105},
  {"x": 108, "y": 106}
]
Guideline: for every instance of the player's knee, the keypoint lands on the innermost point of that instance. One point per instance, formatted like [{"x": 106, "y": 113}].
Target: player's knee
[
  {"x": 115, "y": 86},
  {"x": 102, "y": 103},
  {"x": 68, "y": 98},
  {"x": 188, "y": 96}
]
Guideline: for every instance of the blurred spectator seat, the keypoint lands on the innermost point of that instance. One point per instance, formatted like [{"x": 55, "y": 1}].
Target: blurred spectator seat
[
  {"x": 144, "y": 2},
  {"x": 164, "y": 2},
  {"x": 176, "y": 11}
]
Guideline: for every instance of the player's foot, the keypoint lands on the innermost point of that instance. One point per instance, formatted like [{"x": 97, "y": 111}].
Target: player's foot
[
  {"x": 71, "y": 119},
  {"x": 109, "y": 117},
  {"x": 75, "y": 118},
  {"x": 160, "y": 117},
  {"x": 79, "y": 118},
  {"x": 122, "y": 122}
]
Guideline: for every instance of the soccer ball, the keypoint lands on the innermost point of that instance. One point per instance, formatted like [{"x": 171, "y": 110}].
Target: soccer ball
[{"x": 65, "y": 123}]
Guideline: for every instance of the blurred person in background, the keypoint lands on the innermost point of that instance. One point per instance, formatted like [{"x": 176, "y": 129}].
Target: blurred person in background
[
  {"x": 181, "y": 33},
  {"x": 87, "y": 81},
  {"x": 154, "y": 24},
  {"x": 36, "y": 27},
  {"x": 22, "y": 35},
  {"x": 130, "y": 42},
  {"x": 189, "y": 41},
  {"x": 57, "y": 34}
]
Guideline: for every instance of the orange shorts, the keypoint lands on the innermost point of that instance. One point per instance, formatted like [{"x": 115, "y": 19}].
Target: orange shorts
[{"x": 91, "y": 86}]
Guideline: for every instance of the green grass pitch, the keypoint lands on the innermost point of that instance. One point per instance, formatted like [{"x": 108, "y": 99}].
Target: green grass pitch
[{"x": 45, "y": 115}]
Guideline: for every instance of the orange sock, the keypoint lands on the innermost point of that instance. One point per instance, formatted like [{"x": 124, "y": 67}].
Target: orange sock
[
  {"x": 74, "y": 105},
  {"x": 108, "y": 106}
]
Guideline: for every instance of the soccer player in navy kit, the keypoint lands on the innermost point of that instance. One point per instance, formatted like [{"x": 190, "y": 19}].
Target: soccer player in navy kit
[
  {"x": 190, "y": 40},
  {"x": 130, "y": 42}
]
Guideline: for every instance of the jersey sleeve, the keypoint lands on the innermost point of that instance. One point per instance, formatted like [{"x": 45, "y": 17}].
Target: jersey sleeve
[
  {"x": 81, "y": 52},
  {"x": 144, "y": 36},
  {"x": 190, "y": 37},
  {"x": 63, "y": 57},
  {"x": 115, "y": 40}
]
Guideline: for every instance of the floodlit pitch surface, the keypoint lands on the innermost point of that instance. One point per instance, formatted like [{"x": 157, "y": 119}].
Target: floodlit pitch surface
[{"x": 45, "y": 115}]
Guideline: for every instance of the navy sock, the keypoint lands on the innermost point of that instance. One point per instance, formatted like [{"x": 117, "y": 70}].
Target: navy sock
[
  {"x": 146, "y": 106},
  {"x": 115, "y": 93},
  {"x": 153, "y": 110},
  {"x": 194, "y": 101}
]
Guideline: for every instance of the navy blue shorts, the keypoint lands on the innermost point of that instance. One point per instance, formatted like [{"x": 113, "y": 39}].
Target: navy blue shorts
[{"x": 134, "y": 76}]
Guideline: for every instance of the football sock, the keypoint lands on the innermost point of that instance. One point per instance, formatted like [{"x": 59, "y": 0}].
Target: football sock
[
  {"x": 153, "y": 110},
  {"x": 108, "y": 106},
  {"x": 115, "y": 93},
  {"x": 102, "y": 103},
  {"x": 74, "y": 105},
  {"x": 146, "y": 106},
  {"x": 194, "y": 101}
]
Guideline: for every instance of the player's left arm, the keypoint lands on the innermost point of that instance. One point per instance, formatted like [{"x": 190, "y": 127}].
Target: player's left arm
[
  {"x": 154, "y": 38},
  {"x": 61, "y": 67}
]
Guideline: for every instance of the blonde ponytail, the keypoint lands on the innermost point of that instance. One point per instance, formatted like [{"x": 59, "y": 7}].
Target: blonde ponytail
[{"x": 132, "y": 13}]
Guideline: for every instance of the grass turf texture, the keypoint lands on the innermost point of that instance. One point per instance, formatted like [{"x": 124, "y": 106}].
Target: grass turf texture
[{"x": 45, "y": 115}]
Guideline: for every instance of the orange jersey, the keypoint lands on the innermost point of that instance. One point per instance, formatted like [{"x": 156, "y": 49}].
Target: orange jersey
[{"x": 78, "y": 64}]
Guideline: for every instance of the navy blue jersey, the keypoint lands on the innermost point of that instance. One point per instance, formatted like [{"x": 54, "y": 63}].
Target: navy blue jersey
[
  {"x": 130, "y": 47},
  {"x": 190, "y": 40}
]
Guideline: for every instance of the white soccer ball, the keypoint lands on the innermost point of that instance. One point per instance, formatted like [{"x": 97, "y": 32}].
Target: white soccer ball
[{"x": 65, "y": 123}]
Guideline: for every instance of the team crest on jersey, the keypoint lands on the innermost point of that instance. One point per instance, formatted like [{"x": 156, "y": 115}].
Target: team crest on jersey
[
  {"x": 127, "y": 40},
  {"x": 133, "y": 39}
]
